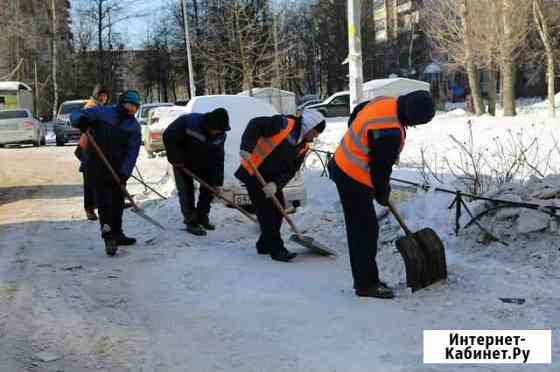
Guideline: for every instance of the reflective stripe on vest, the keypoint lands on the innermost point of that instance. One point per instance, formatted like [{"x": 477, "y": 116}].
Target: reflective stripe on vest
[
  {"x": 265, "y": 145},
  {"x": 352, "y": 155}
]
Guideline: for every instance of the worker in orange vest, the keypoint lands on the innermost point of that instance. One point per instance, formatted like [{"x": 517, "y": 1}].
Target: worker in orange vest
[
  {"x": 361, "y": 169},
  {"x": 277, "y": 146},
  {"x": 99, "y": 98}
]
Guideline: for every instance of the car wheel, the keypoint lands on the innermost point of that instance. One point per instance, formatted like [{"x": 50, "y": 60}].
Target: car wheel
[
  {"x": 43, "y": 141},
  {"x": 59, "y": 141}
]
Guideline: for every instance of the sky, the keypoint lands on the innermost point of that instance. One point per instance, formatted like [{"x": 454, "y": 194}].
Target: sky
[{"x": 134, "y": 31}]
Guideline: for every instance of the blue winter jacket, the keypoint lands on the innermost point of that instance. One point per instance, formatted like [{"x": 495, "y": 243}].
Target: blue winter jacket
[
  {"x": 118, "y": 135},
  {"x": 187, "y": 142}
]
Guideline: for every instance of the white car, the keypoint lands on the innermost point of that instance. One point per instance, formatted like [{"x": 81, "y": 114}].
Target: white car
[
  {"x": 20, "y": 127},
  {"x": 158, "y": 119},
  {"x": 144, "y": 111},
  {"x": 241, "y": 109}
]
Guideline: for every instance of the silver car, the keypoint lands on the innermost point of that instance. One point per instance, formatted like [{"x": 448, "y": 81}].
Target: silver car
[{"x": 20, "y": 127}]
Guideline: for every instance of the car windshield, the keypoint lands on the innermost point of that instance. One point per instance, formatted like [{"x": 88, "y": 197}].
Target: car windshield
[
  {"x": 146, "y": 111},
  {"x": 19, "y": 114},
  {"x": 68, "y": 108}
]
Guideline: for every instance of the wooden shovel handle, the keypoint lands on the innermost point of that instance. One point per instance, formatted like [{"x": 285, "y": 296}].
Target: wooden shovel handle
[
  {"x": 273, "y": 197},
  {"x": 216, "y": 194},
  {"x": 399, "y": 218}
]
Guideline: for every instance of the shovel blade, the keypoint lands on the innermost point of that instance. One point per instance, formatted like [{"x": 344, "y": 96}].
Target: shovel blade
[
  {"x": 434, "y": 251},
  {"x": 313, "y": 245},
  {"x": 424, "y": 258}
]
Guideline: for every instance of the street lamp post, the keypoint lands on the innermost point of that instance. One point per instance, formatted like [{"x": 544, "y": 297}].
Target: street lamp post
[
  {"x": 354, "y": 53},
  {"x": 188, "y": 47}
]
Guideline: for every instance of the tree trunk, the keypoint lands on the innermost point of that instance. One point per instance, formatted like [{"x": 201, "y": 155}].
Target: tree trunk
[
  {"x": 551, "y": 76},
  {"x": 508, "y": 65},
  {"x": 472, "y": 71},
  {"x": 100, "y": 41},
  {"x": 474, "y": 83},
  {"x": 544, "y": 32},
  {"x": 492, "y": 92},
  {"x": 55, "y": 56},
  {"x": 508, "y": 93}
]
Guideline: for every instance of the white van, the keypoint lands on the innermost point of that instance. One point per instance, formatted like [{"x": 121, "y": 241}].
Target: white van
[{"x": 241, "y": 110}]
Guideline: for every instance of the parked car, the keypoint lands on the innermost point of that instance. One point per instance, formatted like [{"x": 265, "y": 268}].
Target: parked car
[
  {"x": 63, "y": 131},
  {"x": 158, "y": 119},
  {"x": 336, "y": 105},
  {"x": 241, "y": 110},
  {"x": 144, "y": 111},
  {"x": 307, "y": 104},
  {"x": 19, "y": 127}
]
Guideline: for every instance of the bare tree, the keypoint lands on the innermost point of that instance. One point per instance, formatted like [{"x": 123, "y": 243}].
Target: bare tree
[
  {"x": 545, "y": 33},
  {"x": 104, "y": 16},
  {"x": 451, "y": 26}
]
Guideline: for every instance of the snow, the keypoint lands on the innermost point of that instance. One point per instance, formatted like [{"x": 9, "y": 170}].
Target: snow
[
  {"x": 303, "y": 316},
  {"x": 211, "y": 303}
]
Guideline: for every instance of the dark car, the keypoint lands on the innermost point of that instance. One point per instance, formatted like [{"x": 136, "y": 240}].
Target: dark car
[
  {"x": 336, "y": 105},
  {"x": 63, "y": 131}
]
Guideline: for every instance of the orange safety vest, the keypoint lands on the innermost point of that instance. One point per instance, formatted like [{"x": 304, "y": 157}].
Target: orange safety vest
[
  {"x": 265, "y": 146},
  {"x": 91, "y": 103},
  {"x": 352, "y": 155}
]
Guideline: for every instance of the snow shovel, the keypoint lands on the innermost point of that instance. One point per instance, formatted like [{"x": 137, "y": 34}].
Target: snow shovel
[
  {"x": 423, "y": 254},
  {"x": 135, "y": 208},
  {"x": 298, "y": 238},
  {"x": 217, "y": 194}
]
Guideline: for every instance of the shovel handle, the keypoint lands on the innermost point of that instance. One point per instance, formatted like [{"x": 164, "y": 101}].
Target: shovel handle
[
  {"x": 399, "y": 218},
  {"x": 217, "y": 194},
  {"x": 148, "y": 187},
  {"x": 273, "y": 197},
  {"x": 111, "y": 170}
]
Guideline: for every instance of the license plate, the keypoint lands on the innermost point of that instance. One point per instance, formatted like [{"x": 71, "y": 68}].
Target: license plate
[{"x": 242, "y": 199}]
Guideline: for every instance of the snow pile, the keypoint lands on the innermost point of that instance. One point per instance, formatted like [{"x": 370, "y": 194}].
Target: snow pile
[
  {"x": 512, "y": 221},
  {"x": 544, "y": 104}
]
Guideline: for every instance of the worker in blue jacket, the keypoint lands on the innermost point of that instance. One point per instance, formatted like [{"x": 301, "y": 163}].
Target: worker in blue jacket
[
  {"x": 196, "y": 141},
  {"x": 118, "y": 134}
]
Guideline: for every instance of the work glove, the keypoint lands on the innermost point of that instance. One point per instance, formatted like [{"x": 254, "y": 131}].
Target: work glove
[
  {"x": 83, "y": 124},
  {"x": 245, "y": 155},
  {"x": 382, "y": 196},
  {"x": 270, "y": 189},
  {"x": 124, "y": 179}
]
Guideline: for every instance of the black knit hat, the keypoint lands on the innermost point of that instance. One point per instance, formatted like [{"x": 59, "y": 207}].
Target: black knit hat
[
  {"x": 416, "y": 108},
  {"x": 217, "y": 120}
]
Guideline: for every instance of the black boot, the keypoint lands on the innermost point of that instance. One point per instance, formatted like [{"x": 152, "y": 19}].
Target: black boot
[
  {"x": 90, "y": 214},
  {"x": 262, "y": 249},
  {"x": 282, "y": 255},
  {"x": 109, "y": 239},
  {"x": 196, "y": 229},
  {"x": 378, "y": 291},
  {"x": 122, "y": 239},
  {"x": 110, "y": 246},
  {"x": 191, "y": 221},
  {"x": 204, "y": 221}
]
